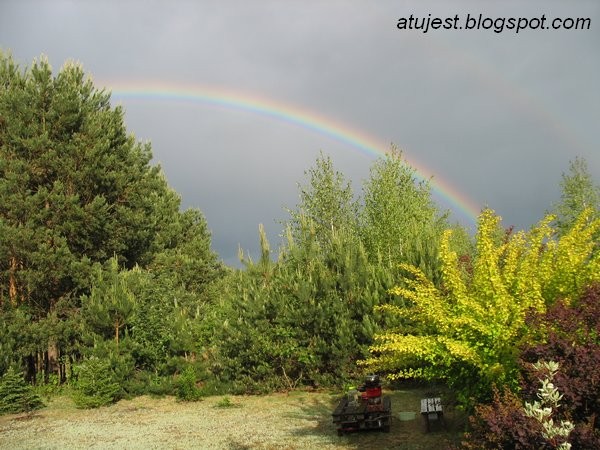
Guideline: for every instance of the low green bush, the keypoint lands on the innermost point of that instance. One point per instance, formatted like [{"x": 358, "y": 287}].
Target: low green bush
[
  {"x": 96, "y": 385},
  {"x": 226, "y": 402},
  {"x": 186, "y": 388},
  {"x": 148, "y": 383},
  {"x": 16, "y": 395}
]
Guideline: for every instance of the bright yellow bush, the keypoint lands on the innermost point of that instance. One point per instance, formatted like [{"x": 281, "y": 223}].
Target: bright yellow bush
[{"x": 467, "y": 331}]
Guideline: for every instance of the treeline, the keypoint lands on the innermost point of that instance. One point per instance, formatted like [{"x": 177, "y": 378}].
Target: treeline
[
  {"x": 305, "y": 314},
  {"x": 109, "y": 289},
  {"x": 97, "y": 260},
  {"x": 99, "y": 267}
]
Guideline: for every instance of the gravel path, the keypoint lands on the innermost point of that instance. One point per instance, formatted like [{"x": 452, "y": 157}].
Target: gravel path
[{"x": 299, "y": 420}]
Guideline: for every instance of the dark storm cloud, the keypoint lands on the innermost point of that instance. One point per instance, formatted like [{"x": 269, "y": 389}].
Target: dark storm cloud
[{"x": 497, "y": 115}]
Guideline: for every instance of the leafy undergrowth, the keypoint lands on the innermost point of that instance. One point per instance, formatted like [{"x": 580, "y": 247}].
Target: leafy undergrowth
[{"x": 298, "y": 420}]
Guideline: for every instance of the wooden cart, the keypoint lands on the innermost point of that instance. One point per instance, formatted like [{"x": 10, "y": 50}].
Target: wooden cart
[{"x": 354, "y": 414}]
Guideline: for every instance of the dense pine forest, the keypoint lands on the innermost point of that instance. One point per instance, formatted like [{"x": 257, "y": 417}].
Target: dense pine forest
[{"x": 109, "y": 290}]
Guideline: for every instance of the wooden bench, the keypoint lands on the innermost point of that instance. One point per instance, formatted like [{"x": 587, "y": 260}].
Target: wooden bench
[{"x": 431, "y": 410}]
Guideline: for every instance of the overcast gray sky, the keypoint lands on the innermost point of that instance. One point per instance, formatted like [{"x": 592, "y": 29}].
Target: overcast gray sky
[{"x": 494, "y": 116}]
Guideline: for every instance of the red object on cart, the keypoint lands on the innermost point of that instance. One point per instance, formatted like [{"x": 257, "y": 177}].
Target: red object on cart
[{"x": 368, "y": 411}]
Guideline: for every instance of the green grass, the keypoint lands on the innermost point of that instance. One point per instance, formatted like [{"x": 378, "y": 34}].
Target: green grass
[{"x": 296, "y": 420}]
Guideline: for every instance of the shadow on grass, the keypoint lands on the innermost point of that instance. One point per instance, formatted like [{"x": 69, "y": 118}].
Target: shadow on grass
[
  {"x": 315, "y": 413},
  {"x": 234, "y": 445}
]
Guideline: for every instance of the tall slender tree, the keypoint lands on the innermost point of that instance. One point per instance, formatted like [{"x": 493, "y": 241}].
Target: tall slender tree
[
  {"x": 327, "y": 204},
  {"x": 111, "y": 303},
  {"x": 400, "y": 223},
  {"x": 578, "y": 192}
]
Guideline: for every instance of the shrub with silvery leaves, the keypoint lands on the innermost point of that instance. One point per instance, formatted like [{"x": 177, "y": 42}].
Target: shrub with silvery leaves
[{"x": 556, "y": 433}]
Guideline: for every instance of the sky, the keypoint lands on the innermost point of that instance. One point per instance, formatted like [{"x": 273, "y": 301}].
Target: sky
[{"x": 238, "y": 98}]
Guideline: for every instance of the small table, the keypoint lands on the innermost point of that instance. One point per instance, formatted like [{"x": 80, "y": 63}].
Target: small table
[{"x": 431, "y": 410}]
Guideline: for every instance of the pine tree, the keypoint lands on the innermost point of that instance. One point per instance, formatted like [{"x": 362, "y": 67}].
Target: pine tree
[
  {"x": 16, "y": 395},
  {"x": 96, "y": 385},
  {"x": 76, "y": 189},
  {"x": 111, "y": 304}
]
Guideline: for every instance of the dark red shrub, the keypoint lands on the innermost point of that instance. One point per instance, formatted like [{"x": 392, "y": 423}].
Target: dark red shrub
[
  {"x": 573, "y": 340},
  {"x": 570, "y": 336},
  {"x": 502, "y": 425}
]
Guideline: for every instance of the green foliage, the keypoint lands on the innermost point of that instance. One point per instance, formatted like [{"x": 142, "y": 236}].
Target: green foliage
[
  {"x": 226, "y": 402},
  {"x": 143, "y": 382},
  {"x": 543, "y": 420},
  {"x": 399, "y": 221},
  {"x": 544, "y": 408},
  {"x": 578, "y": 192},
  {"x": 16, "y": 395},
  {"x": 17, "y": 336},
  {"x": 158, "y": 331},
  {"x": 306, "y": 317},
  {"x": 463, "y": 244},
  {"x": 569, "y": 334},
  {"x": 326, "y": 203},
  {"x": 185, "y": 256},
  {"x": 111, "y": 304},
  {"x": 77, "y": 191},
  {"x": 51, "y": 388},
  {"x": 302, "y": 320},
  {"x": 97, "y": 384},
  {"x": 467, "y": 332},
  {"x": 186, "y": 388}
]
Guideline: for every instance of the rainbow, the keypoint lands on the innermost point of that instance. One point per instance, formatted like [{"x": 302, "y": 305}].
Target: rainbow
[{"x": 453, "y": 197}]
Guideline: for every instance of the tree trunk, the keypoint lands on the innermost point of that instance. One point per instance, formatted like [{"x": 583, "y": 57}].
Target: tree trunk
[
  {"x": 71, "y": 363},
  {"x": 52, "y": 360},
  {"x": 46, "y": 360},
  {"x": 30, "y": 375},
  {"x": 62, "y": 367},
  {"x": 12, "y": 281}
]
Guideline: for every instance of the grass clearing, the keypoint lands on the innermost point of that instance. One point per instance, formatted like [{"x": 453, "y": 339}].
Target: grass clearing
[{"x": 298, "y": 420}]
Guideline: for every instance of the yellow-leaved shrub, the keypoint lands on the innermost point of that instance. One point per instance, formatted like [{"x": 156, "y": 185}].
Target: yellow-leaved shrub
[{"x": 466, "y": 332}]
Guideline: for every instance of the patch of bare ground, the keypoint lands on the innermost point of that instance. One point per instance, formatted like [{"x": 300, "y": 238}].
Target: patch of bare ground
[{"x": 298, "y": 420}]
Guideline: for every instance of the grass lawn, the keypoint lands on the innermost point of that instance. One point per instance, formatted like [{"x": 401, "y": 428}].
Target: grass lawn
[{"x": 298, "y": 420}]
